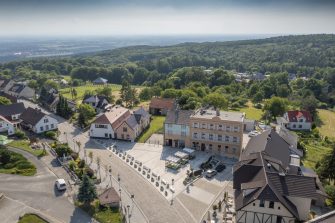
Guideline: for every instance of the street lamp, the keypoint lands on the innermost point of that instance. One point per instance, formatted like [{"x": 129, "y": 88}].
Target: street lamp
[
  {"x": 110, "y": 175},
  {"x": 128, "y": 206},
  {"x": 119, "y": 179}
]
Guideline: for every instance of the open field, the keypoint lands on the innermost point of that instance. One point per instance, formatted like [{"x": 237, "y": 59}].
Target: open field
[
  {"x": 251, "y": 112},
  {"x": 82, "y": 89},
  {"x": 156, "y": 125},
  {"x": 327, "y": 123},
  {"x": 24, "y": 145},
  {"x": 31, "y": 218}
]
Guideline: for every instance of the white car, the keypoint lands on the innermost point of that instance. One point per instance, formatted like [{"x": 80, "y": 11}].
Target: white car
[
  {"x": 253, "y": 133},
  {"x": 211, "y": 173},
  {"x": 60, "y": 184}
]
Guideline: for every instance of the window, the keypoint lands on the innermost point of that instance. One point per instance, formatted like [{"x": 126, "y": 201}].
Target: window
[
  {"x": 227, "y": 139},
  {"x": 210, "y": 146},
  {"x": 235, "y": 128},
  {"x": 169, "y": 132},
  {"x": 125, "y": 129},
  {"x": 46, "y": 120},
  {"x": 183, "y": 126},
  {"x": 253, "y": 204},
  {"x": 211, "y": 126},
  {"x": 301, "y": 120},
  {"x": 52, "y": 126},
  {"x": 294, "y": 126},
  {"x": 203, "y": 136},
  {"x": 106, "y": 135},
  {"x": 211, "y": 136},
  {"x": 195, "y": 135},
  {"x": 47, "y": 127},
  {"x": 272, "y": 204},
  {"x": 234, "y": 139},
  {"x": 278, "y": 207},
  {"x": 195, "y": 125},
  {"x": 183, "y": 133},
  {"x": 300, "y": 126},
  {"x": 234, "y": 150},
  {"x": 98, "y": 126},
  {"x": 226, "y": 149},
  {"x": 203, "y": 125},
  {"x": 220, "y": 127},
  {"x": 128, "y": 137},
  {"x": 219, "y": 137},
  {"x": 261, "y": 203},
  {"x": 279, "y": 219},
  {"x": 169, "y": 125},
  {"x": 41, "y": 128},
  {"x": 228, "y": 128}
]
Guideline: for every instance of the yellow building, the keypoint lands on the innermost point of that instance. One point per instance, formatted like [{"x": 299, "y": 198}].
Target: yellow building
[{"x": 217, "y": 131}]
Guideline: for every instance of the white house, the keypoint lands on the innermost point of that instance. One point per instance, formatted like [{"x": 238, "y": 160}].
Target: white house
[
  {"x": 20, "y": 91},
  {"x": 12, "y": 112},
  {"x": 6, "y": 126},
  {"x": 102, "y": 126},
  {"x": 37, "y": 121},
  {"x": 98, "y": 102},
  {"x": 296, "y": 120}
]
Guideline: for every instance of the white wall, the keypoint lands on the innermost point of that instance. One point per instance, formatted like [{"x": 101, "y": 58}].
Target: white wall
[
  {"x": 304, "y": 125},
  {"x": 286, "y": 215},
  {"x": 46, "y": 126},
  {"x": 7, "y": 127},
  {"x": 100, "y": 132}
]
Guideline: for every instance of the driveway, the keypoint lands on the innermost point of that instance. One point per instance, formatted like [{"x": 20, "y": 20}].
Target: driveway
[{"x": 36, "y": 194}]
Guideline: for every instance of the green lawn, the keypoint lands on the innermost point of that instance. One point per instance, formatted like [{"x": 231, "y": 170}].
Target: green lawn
[
  {"x": 31, "y": 218},
  {"x": 81, "y": 90},
  {"x": 24, "y": 145},
  {"x": 17, "y": 164},
  {"x": 314, "y": 153},
  {"x": 156, "y": 125},
  {"x": 251, "y": 112},
  {"x": 102, "y": 214},
  {"x": 326, "y": 123}
]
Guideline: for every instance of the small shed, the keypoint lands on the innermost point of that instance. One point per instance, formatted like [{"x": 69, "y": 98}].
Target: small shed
[{"x": 110, "y": 198}]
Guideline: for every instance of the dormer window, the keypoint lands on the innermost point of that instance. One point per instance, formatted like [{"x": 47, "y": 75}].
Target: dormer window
[{"x": 261, "y": 203}]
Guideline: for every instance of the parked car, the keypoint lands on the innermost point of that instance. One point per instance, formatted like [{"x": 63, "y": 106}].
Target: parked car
[
  {"x": 219, "y": 168},
  {"x": 253, "y": 133},
  {"x": 211, "y": 173},
  {"x": 60, "y": 184}
]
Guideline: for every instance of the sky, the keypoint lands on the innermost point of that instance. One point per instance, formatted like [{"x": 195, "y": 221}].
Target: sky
[{"x": 165, "y": 17}]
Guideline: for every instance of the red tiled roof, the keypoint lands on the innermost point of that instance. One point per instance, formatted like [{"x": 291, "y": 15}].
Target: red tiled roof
[
  {"x": 294, "y": 115},
  {"x": 162, "y": 103}
]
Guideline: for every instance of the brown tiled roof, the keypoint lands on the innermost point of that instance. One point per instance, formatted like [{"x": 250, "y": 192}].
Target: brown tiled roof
[
  {"x": 109, "y": 196},
  {"x": 162, "y": 103},
  {"x": 32, "y": 116},
  {"x": 115, "y": 117},
  {"x": 179, "y": 117}
]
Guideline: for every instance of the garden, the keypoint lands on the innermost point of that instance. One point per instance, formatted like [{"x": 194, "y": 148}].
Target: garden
[
  {"x": 15, "y": 163},
  {"x": 31, "y": 218}
]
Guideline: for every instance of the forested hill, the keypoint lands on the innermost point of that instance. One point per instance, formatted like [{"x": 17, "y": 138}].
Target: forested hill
[{"x": 285, "y": 53}]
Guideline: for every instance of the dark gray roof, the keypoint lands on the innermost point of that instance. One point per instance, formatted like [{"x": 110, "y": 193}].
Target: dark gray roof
[
  {"x": 100, "y": 80},
  {"x": 131, "y": 121},
  {"x": 12, "y": 109},
  {"x": 270, "y": 142},
  {"x": 260, "y": 173},
  {"x": 179, "y": 117},
  {"x": 17, "y": 88},
  {"x": 32, "y": 116}
]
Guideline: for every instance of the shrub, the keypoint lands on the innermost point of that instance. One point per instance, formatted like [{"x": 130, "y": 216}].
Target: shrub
[
  {"x": 20, "y": 134},
  {"x": 74, "y": 156},
  {"x": 72, "y": 165},
  {"x": 50, "y": 134},
  {"x": 9, "y": 166},
  {"x": 5, "y": 156},
  {"x": 89, "y": 172},
  {"x": 258, "y": 106},
  {"x": 63, "y": 149},
  {"x": 81, "y": 164},
  {"x": 24, "y": 165}
]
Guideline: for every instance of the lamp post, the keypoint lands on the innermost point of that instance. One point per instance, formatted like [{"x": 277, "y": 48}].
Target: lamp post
[
  {"x": 119, "y": 180},
  {"x": 110, "y": 175},
  {"x": 128, "y": 206}
]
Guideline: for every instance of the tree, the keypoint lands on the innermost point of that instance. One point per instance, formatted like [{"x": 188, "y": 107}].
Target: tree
[
  {"x": 216, "y": 100},
  {"x": 87, "y": 191},
  {"x": 330, "y": 190},
  {"x": 326, "y": 169},
  {"x": 276, "y": 106},
  {"x": 4, "y": 101},
  {"x": 310, "y": 104},
  {"x": 258, "y": 97},
  {"x": 145, "y": 94},
  {"x": 128, "y": 94},
  {"x": 86, "y": 112},
  {"x": 63, "y": 149},
  {"x": 107, "y": 92}
]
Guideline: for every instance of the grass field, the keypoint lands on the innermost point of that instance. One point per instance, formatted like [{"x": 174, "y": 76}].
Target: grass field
[
  {"x": 326, "y": 124},
  {"x": 156, "y": 125},
  {"x": 314, "y": 153},
  {"x": 24, "y": 145},
  {"x": 81, "y": 91},
  {"x": 251, "y": 112},
  {"x": 18, "y": 164},
  {"x": 31, "y": 218}
]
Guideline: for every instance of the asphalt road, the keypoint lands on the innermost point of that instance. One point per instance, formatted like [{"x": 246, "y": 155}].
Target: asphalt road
[{"x": 36, "y": 194}]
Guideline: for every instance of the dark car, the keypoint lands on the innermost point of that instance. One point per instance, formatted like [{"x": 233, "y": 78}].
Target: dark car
[{"x": 220, "y": 168}]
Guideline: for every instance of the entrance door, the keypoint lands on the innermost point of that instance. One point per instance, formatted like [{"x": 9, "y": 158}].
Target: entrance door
[{"x": 203, "y": 146}]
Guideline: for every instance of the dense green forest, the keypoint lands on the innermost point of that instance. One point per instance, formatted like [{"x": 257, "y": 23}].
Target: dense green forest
[{"x": 179, "y": 70}]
